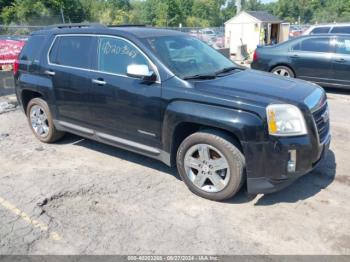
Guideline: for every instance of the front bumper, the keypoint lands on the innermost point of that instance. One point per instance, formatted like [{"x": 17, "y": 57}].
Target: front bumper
[{"x": 267, "y": 162}]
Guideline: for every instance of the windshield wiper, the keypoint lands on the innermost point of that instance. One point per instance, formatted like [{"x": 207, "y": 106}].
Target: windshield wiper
[
  {"x": 226, "y": 70},
  {"x": 210, "y": 76}
]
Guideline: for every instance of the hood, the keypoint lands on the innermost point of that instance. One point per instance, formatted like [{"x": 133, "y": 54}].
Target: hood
[{"x": 263, "y": 88}]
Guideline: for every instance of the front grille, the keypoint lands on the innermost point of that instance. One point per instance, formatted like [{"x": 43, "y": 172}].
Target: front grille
[{"x": 321, "y": 117}]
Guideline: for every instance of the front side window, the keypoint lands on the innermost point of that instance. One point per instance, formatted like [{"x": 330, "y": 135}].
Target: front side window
[
  {"x": 187, "y": 56},
  {"x": 115, "y": 55},
  {"x": 343, "y": 46},
  {"x": 320, "y": 30},
  {"x": 319, "y": 45},
  {"x": 74, "y": 51}
]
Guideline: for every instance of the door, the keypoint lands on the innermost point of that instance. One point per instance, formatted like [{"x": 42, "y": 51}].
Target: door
[
  {"x": 123, "y": 106},
  {"x": 311, "y": 59},
  {"x": 341, "y": 62},
  {"x": 69, "y": 65}
]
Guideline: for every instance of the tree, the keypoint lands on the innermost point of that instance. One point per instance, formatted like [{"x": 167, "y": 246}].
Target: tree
[
  {"x": 252, "y": 5},
  {"x": 42, "y": 11},
  {"x": 209, "y": 10},
  {"x": 229, "y": 10},
  {"x": 185, "y": 7}
]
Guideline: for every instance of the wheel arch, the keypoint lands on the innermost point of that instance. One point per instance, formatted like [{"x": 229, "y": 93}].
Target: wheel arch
[
  {"x": 27, "y": 95},
  {"x": 185, "y": 118},
  {"x": 185, "y": 129}
]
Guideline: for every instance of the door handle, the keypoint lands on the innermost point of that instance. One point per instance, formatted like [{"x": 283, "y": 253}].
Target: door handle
[
  {"x": 49, "y": 73},
  {"x": 340, "y": 60},
  {"x": 294, "y": 56},
  {"x": 99, "y": 82}
]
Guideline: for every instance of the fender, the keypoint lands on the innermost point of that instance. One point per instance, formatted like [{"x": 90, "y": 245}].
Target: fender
[
  {"x": 36, "y": 83},
  {"x": 244, "y": 125}
]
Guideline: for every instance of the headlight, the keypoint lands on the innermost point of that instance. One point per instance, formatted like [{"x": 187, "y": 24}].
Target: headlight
[{"x": 285, "y": 120}]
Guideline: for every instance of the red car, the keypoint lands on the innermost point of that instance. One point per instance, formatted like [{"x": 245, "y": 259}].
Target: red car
[{"x": 10, "y": 47}]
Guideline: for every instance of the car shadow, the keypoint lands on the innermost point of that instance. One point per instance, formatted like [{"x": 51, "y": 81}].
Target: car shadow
[
  {"x": 119, "y": 153},
  {"x": 304, "y": 188},
  {"x": 337, "y": 91}
]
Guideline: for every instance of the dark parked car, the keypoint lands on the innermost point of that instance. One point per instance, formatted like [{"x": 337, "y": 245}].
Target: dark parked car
[
  {"x": 322, "y": 59},
  {"x": 328, "y": 29},
  {"x": 171, "y": 97}
]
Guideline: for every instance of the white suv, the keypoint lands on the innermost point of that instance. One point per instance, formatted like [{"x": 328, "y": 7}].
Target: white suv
[{"x": 328, "y": 29}]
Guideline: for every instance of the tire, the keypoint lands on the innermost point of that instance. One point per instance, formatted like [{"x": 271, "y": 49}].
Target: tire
[
  {"x": 283, "y": 71},
  {"x": 38, "y": 111},
  {"x": 221, "y": 149}
]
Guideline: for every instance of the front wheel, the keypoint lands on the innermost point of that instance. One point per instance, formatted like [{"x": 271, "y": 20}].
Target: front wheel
[
  {"x": 211, "y": 165},
  {"x": 283, "y": 71}
]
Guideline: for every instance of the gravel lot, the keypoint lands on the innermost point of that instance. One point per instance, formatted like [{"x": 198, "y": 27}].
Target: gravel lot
[{"x": 82, "y": 197}]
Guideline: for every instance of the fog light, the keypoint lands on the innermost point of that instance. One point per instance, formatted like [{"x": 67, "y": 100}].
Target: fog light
[{"x": 292, "y": 163}]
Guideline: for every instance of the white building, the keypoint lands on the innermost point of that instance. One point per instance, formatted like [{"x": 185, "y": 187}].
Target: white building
[{"x": 252, "y": 28}]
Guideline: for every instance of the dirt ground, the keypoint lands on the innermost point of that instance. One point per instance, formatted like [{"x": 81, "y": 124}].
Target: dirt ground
[{"x": 82, "y": 197}]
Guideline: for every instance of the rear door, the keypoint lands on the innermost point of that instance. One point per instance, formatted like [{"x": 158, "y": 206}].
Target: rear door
[
  {"x": 69, "y": 68},
  {"x": 311, "y": 58},
  {"x": 341, "y": 62}
]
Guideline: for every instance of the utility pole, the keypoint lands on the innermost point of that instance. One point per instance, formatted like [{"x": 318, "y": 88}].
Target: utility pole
[
  {"x": 62, "y": 15},
  {"x": 239, "y": 6}
]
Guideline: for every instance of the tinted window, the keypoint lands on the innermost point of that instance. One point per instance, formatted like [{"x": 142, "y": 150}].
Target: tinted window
[
  {"x": 187, "y": 56},
  {"x": 32, "y": 48},
  {"x": 343, "y": 46},
  {"x": 320, "y": 30},
  {"x": 54, "y": 50},
  {"x": 341, "y": 29},
  {"x": 114, "y": 55},
  {"x": 320, "y": 45},
  {"x": 74, "y": 51}
]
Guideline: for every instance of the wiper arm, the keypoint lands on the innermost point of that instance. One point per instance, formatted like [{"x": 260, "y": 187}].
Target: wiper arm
[
  {"x": 226, "y": 70},
  {"x": 210, "y": 76}
]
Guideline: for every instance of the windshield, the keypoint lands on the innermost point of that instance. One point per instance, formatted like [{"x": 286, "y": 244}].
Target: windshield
[{"x": 187, "y": 56}]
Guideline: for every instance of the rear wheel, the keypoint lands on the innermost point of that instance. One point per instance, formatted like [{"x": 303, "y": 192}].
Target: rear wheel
[
  {"x": 211, "y": 165},
  {"x": 283, "y": 71},
  {"x": 41, "y": 122}
]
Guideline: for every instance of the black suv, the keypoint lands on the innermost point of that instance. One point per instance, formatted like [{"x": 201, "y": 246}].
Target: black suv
[
  {"x": 322, "y": 59},
  {"x": 171, "y": 97}
]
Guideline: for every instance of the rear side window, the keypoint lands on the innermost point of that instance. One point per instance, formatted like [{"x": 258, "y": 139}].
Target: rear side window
[
  {"x": 341, "y": 30},
  {"x": 320, "y": 30},
  {"x": 343, "y": 46},
  {"x": 74, "y": 51},
  {"x": 33, "y": 48},
  {"x": 319, "y": 45}
]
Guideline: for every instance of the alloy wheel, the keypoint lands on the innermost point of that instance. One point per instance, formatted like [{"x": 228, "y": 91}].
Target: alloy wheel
[
  {"x": 207, "y": 168},
  {"x": 39, "y": 121},
  {"x": 282, "y": 72}
]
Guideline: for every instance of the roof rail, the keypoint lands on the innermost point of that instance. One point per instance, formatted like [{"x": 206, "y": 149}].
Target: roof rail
[
  {"x": 75, "y": 25},
  {"x": 128, "y": 25}
]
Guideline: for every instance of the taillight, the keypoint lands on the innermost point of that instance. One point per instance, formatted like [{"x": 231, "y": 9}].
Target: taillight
[
  {"x": 255, "y": 56},
  {"x": 15, "y": 66}
]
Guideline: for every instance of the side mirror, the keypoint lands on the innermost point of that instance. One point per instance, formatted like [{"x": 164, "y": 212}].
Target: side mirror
[{"x": 141, "y": 72}]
